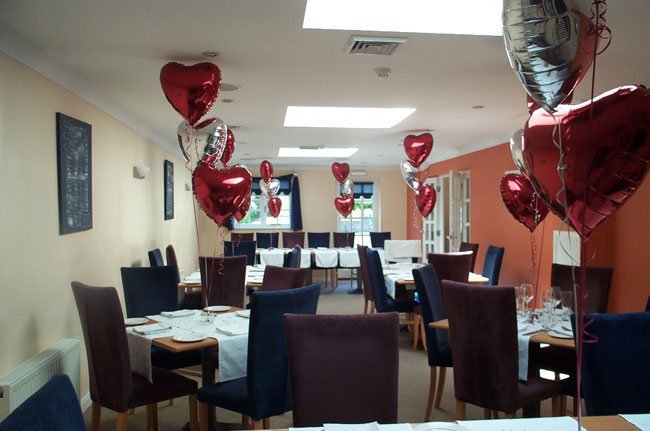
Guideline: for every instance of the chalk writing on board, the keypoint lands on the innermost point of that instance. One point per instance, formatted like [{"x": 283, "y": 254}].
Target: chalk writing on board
[{"x": 74, "y": 156}]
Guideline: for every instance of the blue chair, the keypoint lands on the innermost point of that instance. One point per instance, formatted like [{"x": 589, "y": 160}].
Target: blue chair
[
  {"x": 155, "y": 257},
  {"x": 318, "y": 239},
  {"x": 467, "y": 246},
  {"x": 54, "y": 407},
  {"x": 377, "y": 239},
  {"x": 264, "y": 392},
  {"x": 242, "y": 248},
  {"x": 438, "y": 348},
  {"x": 492, "y": 264},
  {"x": 615, "y": 376},
  {"x": 268, "y": 240},
  {"x": 383, "y": 302},
  {"x": 149, "y": 291},
  {"x": 293, "y": 258}
]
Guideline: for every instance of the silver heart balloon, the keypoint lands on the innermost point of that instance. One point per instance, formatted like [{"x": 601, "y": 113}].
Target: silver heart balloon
[
  {"x": 207, "y": 138},
  {"x": 410, "y": 175},
  {"x": 271, "y": 188},
  {"x": 548, "y": 45},
  {"x": 348, "y": 188},
  {"x": 517, "y": 151}
]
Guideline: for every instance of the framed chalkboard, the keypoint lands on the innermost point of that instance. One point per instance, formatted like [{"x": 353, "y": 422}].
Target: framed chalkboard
[
  {"x": 169, "y": 190},
  {"x": 74, "y": 158}
]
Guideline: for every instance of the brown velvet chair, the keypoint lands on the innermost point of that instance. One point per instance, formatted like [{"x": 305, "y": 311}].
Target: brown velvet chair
[
  {"x": 192, "y": 299},
  {"x": 451, "y": 266},
  {"x": 291, "y": 239},
  {"x": 343, "y": 239},
  {"x": 238, "y": 237},
  {"x": 224, "y": 278},
  {"x": 111, "y": 383},
  {"x": 369, "y": 298},
  {"x": 469, "y": 246},
  {"x": 343, "y": 368},
  {"x": 279, "y": 278},
  {"x": 172, "y": 261},
  {"x": 483, "y": 334}
]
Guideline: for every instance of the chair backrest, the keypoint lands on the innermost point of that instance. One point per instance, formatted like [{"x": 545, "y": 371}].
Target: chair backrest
[
  {"x": 150, "y": 290},
  {"x": 647, "y": 304},
  {"x": 615, "y": 376},
  {"x": 377, "y": 239},
  {"x": 241, "y": 236},
  {"x": 356, "y": 358},
  {"x": 343, "y": 239},
  {"x": 155, "y": 257},
  {"x": 377, "y": 281},
  {"x": 279, "y": 278},
  {"x": 492, "y": 264},
  {"x": 54, "y": 407},
  {"x": 365, "y": 272},
  {"x": 268, "y": 377},
  {"x": 318, "y": 239},
  {"x": 451, "y": 266},
  {"x": 107, "y": 349},
  {"x": 292, "y": 239},
  {"x": 268, "y": 239},
  {"x": 223, "y": 280},
  {"x": 172, "y": 261},
  {"x": 483, "y": 333},
  {"x": 294, "y": 257},
  {"x": 469, "y": 246},
  {"x": 241, "y": 248},
  {"x": 432, "y": 307},
  {"x": 598, "y": 284}
]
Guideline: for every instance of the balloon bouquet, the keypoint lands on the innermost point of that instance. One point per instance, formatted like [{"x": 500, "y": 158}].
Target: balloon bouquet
[
  {"x": 345, "y": 202},
  {"x": 270, "y": 187},
  {"x": 580, "y": 161},
  {"x": 414, "y": 171},
  {"x": 221, "y": 191}
]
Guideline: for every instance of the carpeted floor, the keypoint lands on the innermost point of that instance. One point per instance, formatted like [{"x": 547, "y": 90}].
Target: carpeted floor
[{"x": 413, "y": 383}]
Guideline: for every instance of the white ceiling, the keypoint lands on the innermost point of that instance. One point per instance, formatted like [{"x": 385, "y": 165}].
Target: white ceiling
[{"x": 112, "y": 51}]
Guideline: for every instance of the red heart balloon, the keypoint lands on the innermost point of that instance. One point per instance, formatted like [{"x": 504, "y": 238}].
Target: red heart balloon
[
  {"x": 602, "y": 172},
  {"x": 521, "y": 200},
  {"x": 229, "y": 149},
  {"x": 418, "y": 148},
  {"x": 340, "y": 171},
  {"x": 243, "y": 210},
  {"x": 221, "y": 192},
  {"x": 191, "y": 90},
  {"x": 266, "y": 170},
  {"x": 275, "y": 205},
  {"x": 425, "y": 199},
  {"x": 344, "y": 205}
]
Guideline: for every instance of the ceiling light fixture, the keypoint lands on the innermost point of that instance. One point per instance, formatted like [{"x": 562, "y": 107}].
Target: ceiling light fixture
[
  {"x": 229, "y": 87},
  {"x": 317, "y": 152},
  {"x": 469, "y": 17},
  {"x": 348, "y": 118},
  {"x": 210, "y": 54}
]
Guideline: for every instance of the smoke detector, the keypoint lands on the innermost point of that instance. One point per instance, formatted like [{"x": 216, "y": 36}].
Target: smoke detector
[
  {"x": 369, "y": 45},
  {"x": 382, "y": 72}
]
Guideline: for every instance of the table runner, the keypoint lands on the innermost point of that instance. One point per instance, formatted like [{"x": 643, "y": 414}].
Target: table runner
[
  {"x": 326, "y": 258},
  {"x": 348, "y": 258},
  {"x": 272, "y": 257}
]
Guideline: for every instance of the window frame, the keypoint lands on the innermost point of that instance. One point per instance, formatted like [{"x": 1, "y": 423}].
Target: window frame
[
  {"x": 364, "y": 238},
  {"x": 264, "y": 214}
]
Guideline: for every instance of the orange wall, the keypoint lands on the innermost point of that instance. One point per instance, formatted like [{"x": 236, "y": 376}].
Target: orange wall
[{"x": 623, "y": 241}]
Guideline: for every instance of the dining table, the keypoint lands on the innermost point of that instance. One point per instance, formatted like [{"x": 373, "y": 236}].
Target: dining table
[{"x": 401, "y": 274}]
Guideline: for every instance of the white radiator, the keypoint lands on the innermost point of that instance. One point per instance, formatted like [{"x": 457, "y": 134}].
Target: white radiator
[{"x": 20, "y": 383}]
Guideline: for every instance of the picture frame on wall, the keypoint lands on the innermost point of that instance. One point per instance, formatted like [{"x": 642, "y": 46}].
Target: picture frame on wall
[
  {"x": 169, "y": 190},
  {"x": 74, "y": 174}
]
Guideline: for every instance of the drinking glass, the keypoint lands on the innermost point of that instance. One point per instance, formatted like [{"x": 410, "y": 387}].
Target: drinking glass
[
  {"x": 519, "y": 302},
  {"x": 549, "y": 302},
  {"x": 566, "y": 305},
  {"x": 528, "y": 295}
]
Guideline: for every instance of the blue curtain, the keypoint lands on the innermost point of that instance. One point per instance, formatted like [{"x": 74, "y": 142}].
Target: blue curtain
[
  {"x": 296, "y": 213},
  {"x": 285, "y": 185}
]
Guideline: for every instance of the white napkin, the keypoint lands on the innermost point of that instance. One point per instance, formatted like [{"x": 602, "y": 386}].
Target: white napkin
[
  {"x": 177, "y": 313},
  {"x": 232, "y": 327},
  {"x": 140, "y": 355},
  {"x": 371, "y": 426},
  {"x": 151, "y": 329},
  {"x": 243, "y": 313}
]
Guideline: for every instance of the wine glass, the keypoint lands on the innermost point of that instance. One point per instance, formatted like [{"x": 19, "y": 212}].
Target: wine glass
[
  {"x": 528, "y": 294},
  {"x": 566, "y": 304},
  {"x": 549, "y": 302}
]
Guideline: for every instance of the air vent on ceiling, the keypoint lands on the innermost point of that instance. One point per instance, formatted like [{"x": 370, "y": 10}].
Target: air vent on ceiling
[{"x": 368, "y": 45}]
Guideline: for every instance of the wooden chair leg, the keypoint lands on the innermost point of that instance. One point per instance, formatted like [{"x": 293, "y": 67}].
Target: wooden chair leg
[
  {"x": 460, "y": 410},
  {"x": 203, "y": 416},
  {"x": 365, "y": 306},
  {"x": 556, "y": 406},
  {"x": 171, "y": 402},
  {"x": 416, "y": 331},
  {"x": 487, "y": 414},
  {"x": 510, "y": 415},
  {"x": 245, "y": 422},
  {"x": 97, "y": 415},
  {"x": 423, "y": 335},
  {"x": 441, "y": 385},
  {"x": 372, "y": 307},
  {"x": 257, "y": 424},
  {"x": 131, "y": 411},
  {"x": 193, "y": 401},
  {"x": 432, "y": 389},
  {"x": 152, "y": 417},
  {"x": 266, "y": 423},
  {"x": 495, "y": 414},
  {"x": 575, "y": 406},
  {"x": 122, "y": 420},
  {"x": 563, "y": 405}
]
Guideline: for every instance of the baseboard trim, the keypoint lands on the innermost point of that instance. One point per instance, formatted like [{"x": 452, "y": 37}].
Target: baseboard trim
[{"x": 85, "y": 402}]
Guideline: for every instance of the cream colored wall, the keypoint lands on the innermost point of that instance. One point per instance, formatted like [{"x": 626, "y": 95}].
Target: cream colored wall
[
  {"x": 38, "y": 264},
  {"x": 317, "y": 193}
]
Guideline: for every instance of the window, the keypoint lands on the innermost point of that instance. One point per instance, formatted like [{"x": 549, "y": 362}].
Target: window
[
  {"x": 362, "y": 219},
  {"x": 258, "y": 216}
]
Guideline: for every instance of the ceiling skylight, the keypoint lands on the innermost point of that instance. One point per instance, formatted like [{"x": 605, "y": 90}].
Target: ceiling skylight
[
  {"x": 332, "y": 153},
  {"x": 468, "y": 17},
  {"x": 349, "y": 118}
]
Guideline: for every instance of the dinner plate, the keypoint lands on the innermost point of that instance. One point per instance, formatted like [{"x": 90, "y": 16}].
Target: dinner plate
[
  {"x": 188, "y": 338},
  {"x": 563, "y": 335},
  {"x": 132, "y": 321},
  {"x": 439, "y": 426},
  {"x": 218, "y": 308}
]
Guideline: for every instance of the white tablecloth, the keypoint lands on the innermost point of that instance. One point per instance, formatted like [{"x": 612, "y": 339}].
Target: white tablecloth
[
  {"x": 348, "y": 258},
  {"x": 402, "y": 249},
  {"x": 272, "y": 257},
  {"x": 397, "y": 271},
  {"x": 326, "y": 257}
]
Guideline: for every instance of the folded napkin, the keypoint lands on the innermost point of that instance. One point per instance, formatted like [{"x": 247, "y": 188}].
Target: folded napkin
[
  {"x": 243, "y": 313},
  {"x": 151, "y": 329},
  {"x": 231, "y": 329},
  {"x": 371, "y": 426},
  {"x": 177, "y": 313},
  {"x": 140, "y": 355}
]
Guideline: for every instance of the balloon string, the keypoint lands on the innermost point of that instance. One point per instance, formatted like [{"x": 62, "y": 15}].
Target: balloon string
[
  {"x": 186, "y": 146},
  {"x": 533, "y": 258},
  {"x": 601, "y": 30},
  {"x": 541, "y": 253}
]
